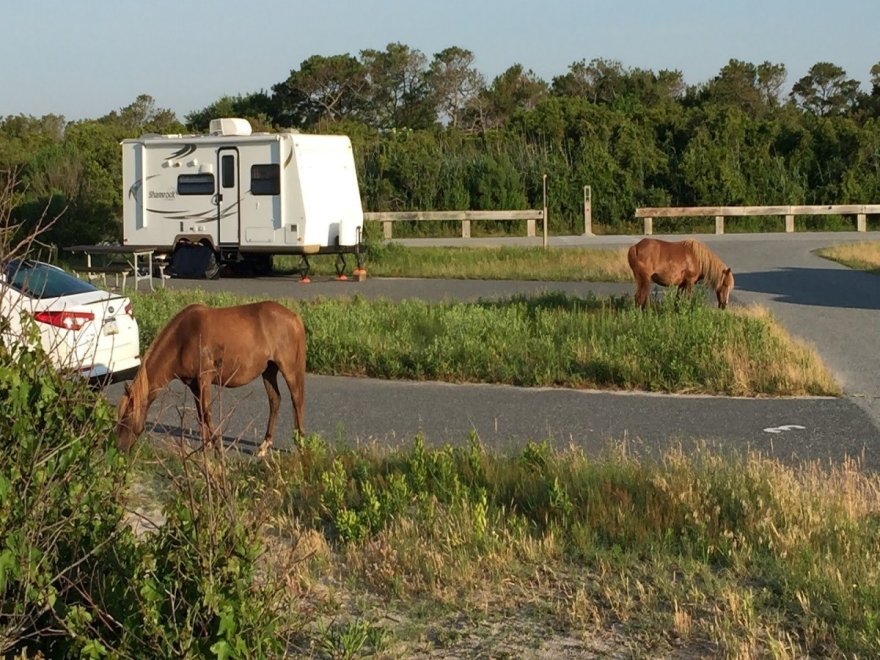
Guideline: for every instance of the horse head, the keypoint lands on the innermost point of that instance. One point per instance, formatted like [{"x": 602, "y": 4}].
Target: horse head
[{"x": 724, "y": 288}]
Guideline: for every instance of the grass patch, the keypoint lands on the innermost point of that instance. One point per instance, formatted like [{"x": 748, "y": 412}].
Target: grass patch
[
  {"x": 488, "y": 263},
  {"x": 417, "y": 550},
  {"x": 860, "y": 256},
  {"x": 547, "y": 340}
]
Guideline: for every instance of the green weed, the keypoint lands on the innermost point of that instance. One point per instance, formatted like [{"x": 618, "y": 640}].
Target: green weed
[
  {"x": 546, "y": 340},
  {"x": 735, "y": 553},
  {"x": 522, "y": 263}
]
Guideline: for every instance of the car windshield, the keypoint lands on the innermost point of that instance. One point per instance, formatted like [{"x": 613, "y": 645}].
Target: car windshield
[{"x": 39, "y": 280}]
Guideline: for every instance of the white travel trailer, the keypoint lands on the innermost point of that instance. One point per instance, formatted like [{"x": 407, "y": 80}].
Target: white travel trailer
[{"x": 241, "y": 197}]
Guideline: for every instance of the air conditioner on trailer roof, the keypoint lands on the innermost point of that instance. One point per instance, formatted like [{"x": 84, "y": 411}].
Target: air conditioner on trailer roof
[{"x": 230, "y": 126}]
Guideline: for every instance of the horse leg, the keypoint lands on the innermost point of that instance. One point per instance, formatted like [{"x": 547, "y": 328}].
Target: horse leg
[
  {"x": 270, "y": 380},
  {"x": 686, "y": 287},
  {"x": 197, "y": 395},
  {"x": 643, "y": 290},
  {"x": 296, "y": 383},
  {"x": 201, "y": 389},
  {"x": 679, "y": 292}
]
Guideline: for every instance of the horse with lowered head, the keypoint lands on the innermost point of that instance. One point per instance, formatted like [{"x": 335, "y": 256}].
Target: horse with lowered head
[
  {"x": 228, "y": 346},
  {"x": 680, "y": 264}
]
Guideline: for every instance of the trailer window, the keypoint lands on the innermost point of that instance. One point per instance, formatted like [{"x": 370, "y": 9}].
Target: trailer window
[
  {"x": 195, "y": 184},
  {"x": 227, "y": 171},
  {"x": 265, "y": 180}
]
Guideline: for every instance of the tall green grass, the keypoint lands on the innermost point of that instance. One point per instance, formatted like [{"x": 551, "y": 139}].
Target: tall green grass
[
  {"x": 521, "y": 263},
  {"x": 548, "y": 340},
  {"x": 734, "y": 556}
]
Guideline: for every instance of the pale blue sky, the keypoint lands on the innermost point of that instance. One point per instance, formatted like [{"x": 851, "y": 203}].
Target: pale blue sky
[{"x": 84, "y": 58}]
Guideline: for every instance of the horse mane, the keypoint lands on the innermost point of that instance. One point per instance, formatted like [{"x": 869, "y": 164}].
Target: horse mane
[
  {"x": 137, "y": 392},
  {"x": 711, "y": 266}
]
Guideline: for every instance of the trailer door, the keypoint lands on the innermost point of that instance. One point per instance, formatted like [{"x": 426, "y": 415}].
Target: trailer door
[{"x": 228, "y": 206}]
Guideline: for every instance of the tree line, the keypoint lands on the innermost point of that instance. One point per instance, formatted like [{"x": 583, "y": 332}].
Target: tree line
[{"x": 434, "y": 134}]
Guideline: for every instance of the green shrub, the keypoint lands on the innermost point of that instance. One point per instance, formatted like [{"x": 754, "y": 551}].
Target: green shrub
[
  {"x": 61, "y": 505},
  {"x": 74, "y": 578},
  {"x": 196, "y": 591}
]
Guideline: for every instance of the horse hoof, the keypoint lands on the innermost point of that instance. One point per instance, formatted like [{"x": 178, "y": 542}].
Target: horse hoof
[{"x": 263, "y": 450}]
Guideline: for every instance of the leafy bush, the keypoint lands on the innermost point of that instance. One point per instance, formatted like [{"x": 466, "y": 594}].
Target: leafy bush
[
  {"x": 196, "y": 591},
  {"x": 74, "y": 578},
  {"x": 61, "y": 504}
]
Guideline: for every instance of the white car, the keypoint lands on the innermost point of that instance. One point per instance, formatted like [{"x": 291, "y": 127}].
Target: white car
[{"x": 82, "y": 328}]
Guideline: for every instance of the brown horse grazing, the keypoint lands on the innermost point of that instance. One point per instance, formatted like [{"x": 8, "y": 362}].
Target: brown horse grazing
[
  {"x": 680, "y": 264},
  {"x": 227, "y": 346}
]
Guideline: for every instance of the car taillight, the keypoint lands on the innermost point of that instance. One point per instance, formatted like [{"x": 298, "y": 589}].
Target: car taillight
[
  {"x": 67, "y": 320},
  {"x": 129, "y": 310}
]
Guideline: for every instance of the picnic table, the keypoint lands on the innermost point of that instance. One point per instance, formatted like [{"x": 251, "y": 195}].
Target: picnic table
[{"x": 121, "y": 261}]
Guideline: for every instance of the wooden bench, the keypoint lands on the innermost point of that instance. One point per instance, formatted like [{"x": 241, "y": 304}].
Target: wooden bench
[
  {"x": 161, "y": 262},
  {"x": 121, "y": 260},
  {"x": 95, "y": 272}
]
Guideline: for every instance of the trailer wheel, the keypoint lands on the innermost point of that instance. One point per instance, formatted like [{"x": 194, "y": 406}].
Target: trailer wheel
[
  {"x": 212, "y": 265},
  {"x": 194, "y": 261}
]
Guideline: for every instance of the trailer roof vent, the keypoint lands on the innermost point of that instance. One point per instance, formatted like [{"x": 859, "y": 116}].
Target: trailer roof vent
[{"x": 230, "y": 126}]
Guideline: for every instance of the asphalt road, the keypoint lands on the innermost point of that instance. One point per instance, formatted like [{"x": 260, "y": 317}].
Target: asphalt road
[{"x": 834, "y": 308}]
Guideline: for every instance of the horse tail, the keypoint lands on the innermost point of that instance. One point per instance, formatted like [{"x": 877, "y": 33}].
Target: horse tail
[
  {"x": 632, "y": 255},
  {"x": 290, "y": 356},
  {"x": 300, "y": 377}
]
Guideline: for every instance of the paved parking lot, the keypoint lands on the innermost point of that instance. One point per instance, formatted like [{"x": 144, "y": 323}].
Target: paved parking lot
[{"x": 834, "y": 308}]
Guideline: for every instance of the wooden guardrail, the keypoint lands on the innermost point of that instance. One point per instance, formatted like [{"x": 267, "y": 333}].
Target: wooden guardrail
[
  {"x": 861, "y": 211},
  {"x": 387, "y": 218}
]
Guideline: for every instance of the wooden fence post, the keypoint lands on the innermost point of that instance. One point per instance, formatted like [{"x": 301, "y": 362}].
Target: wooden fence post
[
  {"x": 789, "y": 223},
  {"x": 545, "y": 210},
  {"x": 861, "y": 222},
  {"x": 649, "y": 226},
  {"x": 588, "y": 211},
  {"x": 719, "y": 224}
]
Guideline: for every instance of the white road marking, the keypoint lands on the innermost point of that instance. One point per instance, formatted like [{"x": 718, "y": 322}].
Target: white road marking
[{"x": 784, "y": 427}]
